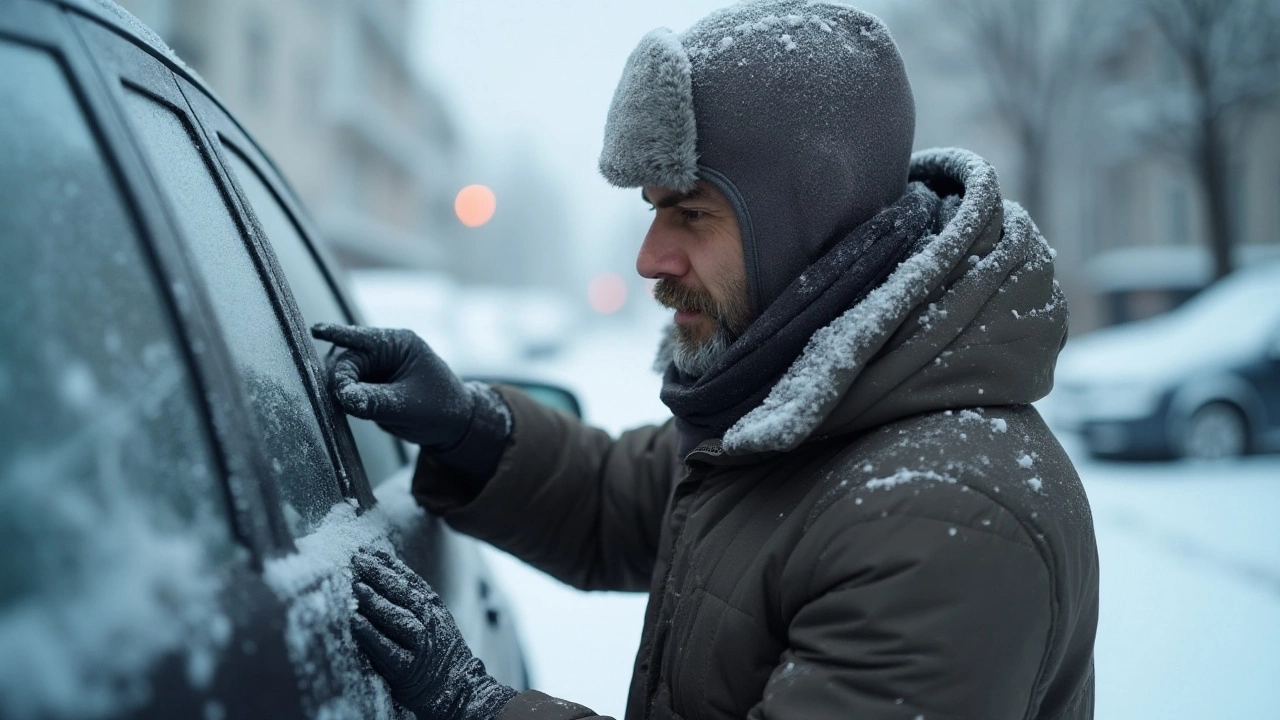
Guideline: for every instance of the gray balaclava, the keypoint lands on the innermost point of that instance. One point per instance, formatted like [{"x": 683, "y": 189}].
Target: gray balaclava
[{"x": 800, "y": 112}]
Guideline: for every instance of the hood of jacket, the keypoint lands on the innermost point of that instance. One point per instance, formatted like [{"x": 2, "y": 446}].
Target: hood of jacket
[{"x": 973, "y": 317}]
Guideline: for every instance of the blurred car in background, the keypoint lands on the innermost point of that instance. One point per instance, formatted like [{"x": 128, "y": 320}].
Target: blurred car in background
[
  {"x": 1201, "y": 381},
  {"x": 181, "y": 493}
]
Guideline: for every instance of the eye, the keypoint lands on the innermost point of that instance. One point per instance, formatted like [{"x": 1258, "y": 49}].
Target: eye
[{"x": 689, "y": 214}]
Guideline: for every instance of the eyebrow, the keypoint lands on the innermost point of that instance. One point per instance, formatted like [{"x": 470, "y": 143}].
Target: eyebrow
[{"x": 674, "y": 199}]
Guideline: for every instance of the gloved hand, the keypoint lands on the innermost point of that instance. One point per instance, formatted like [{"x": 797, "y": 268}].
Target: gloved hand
[
  {"x": 410, "y": 638},
  {"x": 393, "y": 378}
]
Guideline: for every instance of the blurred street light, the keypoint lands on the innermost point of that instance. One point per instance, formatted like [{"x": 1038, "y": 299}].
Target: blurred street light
[
  {"x": 475, "y": 205},
  {"x": 607, "y": 293}
]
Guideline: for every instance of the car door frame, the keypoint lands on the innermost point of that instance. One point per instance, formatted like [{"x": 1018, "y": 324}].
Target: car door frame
[
  {"x": 452, "y": 564},
  {"x": 221, "y": 128},
  {"x": 216, "y": 127},
  {"x": 257, "y": 521},
  {"x": 449, "y": 561},
  {"x": 348, "y": 473},
  {"x": 42, "y": 25},
  {"x": 159, "y": 81},
  {"x": 245, "y": 680}
]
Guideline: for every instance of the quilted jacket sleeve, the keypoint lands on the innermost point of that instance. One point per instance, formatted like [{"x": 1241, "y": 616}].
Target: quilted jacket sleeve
[{"x": 566, "y": 498}]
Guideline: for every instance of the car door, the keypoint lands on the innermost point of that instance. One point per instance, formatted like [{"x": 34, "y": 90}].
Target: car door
[
  {"x": 313, "y": 492},
  {"x": 450, "y": 562},
  {"x": 1265, "y": 376},
  {"x": 131, "y": 520}
]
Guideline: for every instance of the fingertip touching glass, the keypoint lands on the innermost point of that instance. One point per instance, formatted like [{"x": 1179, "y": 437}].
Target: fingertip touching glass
[{"x": 315, "y": 298}]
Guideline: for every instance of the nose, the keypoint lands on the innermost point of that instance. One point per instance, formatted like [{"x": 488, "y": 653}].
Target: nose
[{"x": 661, "y": 254}]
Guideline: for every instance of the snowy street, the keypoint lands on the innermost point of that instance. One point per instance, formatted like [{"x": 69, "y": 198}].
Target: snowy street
[{"x": 1190, "y": 558}]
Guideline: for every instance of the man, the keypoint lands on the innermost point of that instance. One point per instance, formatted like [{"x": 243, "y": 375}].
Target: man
[{"x": 855, "y": 512}]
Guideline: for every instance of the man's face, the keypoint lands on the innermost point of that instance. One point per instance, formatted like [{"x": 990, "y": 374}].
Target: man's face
[{"x": 694, "y": 250}]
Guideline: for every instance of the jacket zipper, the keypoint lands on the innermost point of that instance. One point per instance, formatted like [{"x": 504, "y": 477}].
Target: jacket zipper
[{"x": 688, "y": 489}]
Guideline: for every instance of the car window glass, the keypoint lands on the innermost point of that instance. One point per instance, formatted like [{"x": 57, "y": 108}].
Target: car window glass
[
  {"x": 291, "y": 433},
  {"x": 315, "y": 299},
  {"x": 112, "y": 497}
]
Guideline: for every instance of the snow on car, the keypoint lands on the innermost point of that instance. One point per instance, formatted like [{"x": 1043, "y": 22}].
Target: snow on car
[
  {"x": 182, "y": 495},
  {"x": 1202, "y": 380}
]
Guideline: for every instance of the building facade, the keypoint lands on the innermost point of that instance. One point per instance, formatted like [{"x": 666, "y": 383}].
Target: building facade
[
  {"x": 1125, "y": 215},
  {"x": 327, "y": 87}
]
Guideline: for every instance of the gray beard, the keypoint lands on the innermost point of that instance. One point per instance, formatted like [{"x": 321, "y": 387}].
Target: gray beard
[{"x": 696, "y": 359}]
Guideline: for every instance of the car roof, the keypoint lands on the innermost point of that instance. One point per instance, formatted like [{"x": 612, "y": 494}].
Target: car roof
[
  {"x": 1231, "y": 322},
  {"x": 111, "y": 13}
]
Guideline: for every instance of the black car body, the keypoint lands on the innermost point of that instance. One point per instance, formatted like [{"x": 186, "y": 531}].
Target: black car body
[
  {"x": 1202, "y": 380},
  {"x": 181, "y": 494}
]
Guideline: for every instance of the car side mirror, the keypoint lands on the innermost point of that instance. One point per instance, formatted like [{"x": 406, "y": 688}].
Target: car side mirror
[{"x": 552, "y": 396}]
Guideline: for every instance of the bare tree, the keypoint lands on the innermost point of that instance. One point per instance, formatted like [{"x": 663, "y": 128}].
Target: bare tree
[
  {"x": 1229, "y": 53},
  {"x": 1031, "y": 52}
]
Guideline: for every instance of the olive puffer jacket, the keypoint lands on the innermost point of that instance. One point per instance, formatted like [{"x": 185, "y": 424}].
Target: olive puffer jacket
[{"x": 896, "y": 534}]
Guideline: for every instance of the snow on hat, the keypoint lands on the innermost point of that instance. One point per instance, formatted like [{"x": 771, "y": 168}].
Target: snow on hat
[{"x": 800, "y": 112}]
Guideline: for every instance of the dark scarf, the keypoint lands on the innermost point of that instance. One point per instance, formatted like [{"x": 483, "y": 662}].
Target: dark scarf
[{"x": 706, "y": 407}]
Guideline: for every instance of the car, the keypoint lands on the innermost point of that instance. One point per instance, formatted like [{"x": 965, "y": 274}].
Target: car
[
  {"x": 1201, "y": 381},
  {"x": 181, "y": 493}
]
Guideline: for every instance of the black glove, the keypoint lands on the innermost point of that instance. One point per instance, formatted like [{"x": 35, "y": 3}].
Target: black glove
[
  {"x": 393, "y": 378},
  {"x": 411, "y": 640}
]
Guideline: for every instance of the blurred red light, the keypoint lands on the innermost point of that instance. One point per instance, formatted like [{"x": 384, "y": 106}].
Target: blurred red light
[{"x": 475, "y": 205}]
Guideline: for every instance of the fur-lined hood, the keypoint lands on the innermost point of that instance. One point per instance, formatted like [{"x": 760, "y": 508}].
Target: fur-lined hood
[{"x": 973, "y": 318}]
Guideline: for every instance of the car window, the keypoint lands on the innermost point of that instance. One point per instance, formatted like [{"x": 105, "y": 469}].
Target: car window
[
  {"x": 291, "y": 434},
  {"x": 111, "y": 488},
  {"x": 315, "y": 298}
]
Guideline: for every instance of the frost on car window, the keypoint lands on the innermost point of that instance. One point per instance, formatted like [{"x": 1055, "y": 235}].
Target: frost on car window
[
  {"x": 114, "y": 523},
  {"x": 315, "y": 586},
  {"x": 286, "y": 419},
  {"x": 316, "y": 301}
]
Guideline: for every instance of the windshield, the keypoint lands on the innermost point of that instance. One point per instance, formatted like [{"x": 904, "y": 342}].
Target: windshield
[{"x": 1244, "y": 308}]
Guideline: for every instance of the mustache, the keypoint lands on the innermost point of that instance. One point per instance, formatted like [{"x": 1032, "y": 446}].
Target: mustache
[{"x": 673, "y": 295}]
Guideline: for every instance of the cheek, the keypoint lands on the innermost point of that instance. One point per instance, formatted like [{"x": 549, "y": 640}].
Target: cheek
[{"x": 730, "y": 265}]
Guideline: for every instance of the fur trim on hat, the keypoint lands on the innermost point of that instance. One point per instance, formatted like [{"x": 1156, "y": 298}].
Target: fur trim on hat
[{"x": 651, "y": 137}]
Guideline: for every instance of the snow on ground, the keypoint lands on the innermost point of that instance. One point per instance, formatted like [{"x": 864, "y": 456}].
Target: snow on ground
[{"x": 1190, "y": 587}]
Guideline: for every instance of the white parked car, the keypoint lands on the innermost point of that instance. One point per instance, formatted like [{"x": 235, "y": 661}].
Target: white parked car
[{"x": 1200, "y": 381}]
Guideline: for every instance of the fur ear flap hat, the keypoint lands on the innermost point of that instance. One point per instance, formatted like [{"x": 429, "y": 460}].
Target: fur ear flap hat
[{"x": 799, "y": 111}]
